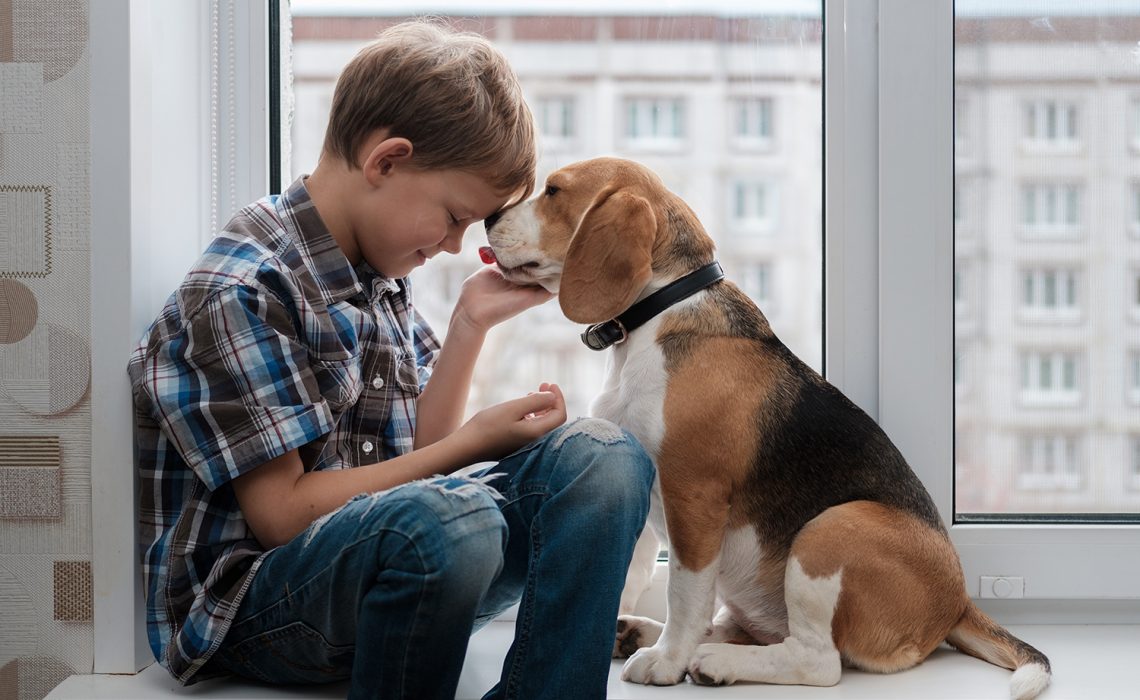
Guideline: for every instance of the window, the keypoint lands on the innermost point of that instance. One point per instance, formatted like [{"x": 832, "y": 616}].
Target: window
[
  {"x": 752, "y": 127},
  {"x": 1049, "y": 293},
  {"x": 756, "y": 282},
  {"x": 1132, "y": 476},
  {"x": 655, "y": 122},
  {"x": 1049, "y": 463},
  {"x": 1049, "y": 378},
  {"x": 1061, "y": 291},
  {"x": 556, "y": 122},
  {"x": 961, "y": 125},
  {"x": 1135, "y": 109},
  {"x": 753, "y": 206},
  {"x": 1050, "y": 208},
  {"x": 1133, "y": 386},
  {"x": 1134, "y": 223},
  {"x": 1050, "y": 122}
]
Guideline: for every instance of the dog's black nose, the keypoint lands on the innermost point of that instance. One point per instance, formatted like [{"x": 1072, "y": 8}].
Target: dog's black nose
[{"x": 490, "y": 220}]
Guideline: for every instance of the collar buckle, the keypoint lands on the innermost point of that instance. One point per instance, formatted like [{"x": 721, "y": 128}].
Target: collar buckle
[{"x": 602, "y": 335}]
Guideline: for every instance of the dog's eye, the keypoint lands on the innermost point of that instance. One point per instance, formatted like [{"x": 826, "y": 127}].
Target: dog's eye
[{"x": 551, "y": 190}]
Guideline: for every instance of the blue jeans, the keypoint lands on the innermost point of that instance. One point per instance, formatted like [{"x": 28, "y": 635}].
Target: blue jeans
[{"x": 388, "y": 589}]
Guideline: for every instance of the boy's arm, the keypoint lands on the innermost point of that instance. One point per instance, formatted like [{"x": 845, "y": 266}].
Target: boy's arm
[
  {"x": 439, "y": 409},
  {"x": 279, "y": 499},
  {"x": 485, "y": 300}
]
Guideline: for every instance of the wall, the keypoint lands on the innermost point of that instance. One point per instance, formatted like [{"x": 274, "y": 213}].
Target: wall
[{"x": 45, "y": 411}]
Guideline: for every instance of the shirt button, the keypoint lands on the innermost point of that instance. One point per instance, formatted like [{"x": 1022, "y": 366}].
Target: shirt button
[
  {"x": 377, "y": 382},
  {"x": 367, "y": 447}
]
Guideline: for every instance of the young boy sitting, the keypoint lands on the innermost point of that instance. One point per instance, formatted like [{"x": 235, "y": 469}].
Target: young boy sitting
[{"x": 295, "y": 412}]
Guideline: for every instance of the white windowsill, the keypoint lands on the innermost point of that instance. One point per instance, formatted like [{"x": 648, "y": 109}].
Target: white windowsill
[{"x": 1089, "y": 661}]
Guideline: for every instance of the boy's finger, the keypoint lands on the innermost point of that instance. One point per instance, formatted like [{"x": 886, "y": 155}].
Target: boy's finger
[{"x": 533, "y": 403}]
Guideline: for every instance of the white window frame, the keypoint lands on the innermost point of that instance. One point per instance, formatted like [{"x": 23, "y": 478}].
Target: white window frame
[
  {"x": 915, "y": 331},
  {"x": 150, "y": 86}
]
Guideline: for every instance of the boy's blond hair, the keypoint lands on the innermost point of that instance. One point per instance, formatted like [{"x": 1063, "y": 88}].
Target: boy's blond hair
[{"x": 452, "y": 94}]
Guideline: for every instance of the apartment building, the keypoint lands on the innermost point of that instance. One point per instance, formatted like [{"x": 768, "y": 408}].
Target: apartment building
[{"x": 1047, "y": 264}]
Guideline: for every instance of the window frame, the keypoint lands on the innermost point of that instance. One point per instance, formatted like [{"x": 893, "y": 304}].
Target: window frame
[{"x": 1056, "y": 556}]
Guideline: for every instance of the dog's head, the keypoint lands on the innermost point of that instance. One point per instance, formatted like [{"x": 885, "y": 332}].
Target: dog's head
[{"x": 596, "y": 234}]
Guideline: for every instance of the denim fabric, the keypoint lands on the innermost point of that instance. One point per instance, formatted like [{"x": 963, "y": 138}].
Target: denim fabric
[{"x": 388, "y": 589}]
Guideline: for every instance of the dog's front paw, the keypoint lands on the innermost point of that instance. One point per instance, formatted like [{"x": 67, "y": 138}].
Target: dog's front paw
[
  {"x": 653, "y": 666},
  {"x": 712, "y": 665},
  {"x": 635, "y": 633}
]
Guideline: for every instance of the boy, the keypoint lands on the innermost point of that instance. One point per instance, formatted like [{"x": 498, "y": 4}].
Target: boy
[{"x": 294, "y": 412}]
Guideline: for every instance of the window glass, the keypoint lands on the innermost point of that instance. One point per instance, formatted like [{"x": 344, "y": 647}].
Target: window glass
[
  {"x": 695, "y": 89},
  {"x": 1047, "y": 418}
]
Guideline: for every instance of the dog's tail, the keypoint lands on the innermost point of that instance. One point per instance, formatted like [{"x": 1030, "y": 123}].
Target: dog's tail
[{"x": 978, "y": 635}]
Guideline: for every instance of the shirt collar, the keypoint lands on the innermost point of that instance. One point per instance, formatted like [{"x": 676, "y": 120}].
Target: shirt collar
[{"x": 336, "y": 278}]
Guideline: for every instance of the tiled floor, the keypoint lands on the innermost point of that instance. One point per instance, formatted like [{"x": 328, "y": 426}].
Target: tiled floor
[{"x": 1090, "y": 662}]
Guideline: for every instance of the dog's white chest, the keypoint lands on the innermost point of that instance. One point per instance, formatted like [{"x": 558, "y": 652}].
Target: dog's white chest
[{"x": 634, "y": 393}]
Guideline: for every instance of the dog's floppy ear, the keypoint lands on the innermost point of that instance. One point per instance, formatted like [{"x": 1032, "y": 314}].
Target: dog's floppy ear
[{"x": 610, "y": 257}]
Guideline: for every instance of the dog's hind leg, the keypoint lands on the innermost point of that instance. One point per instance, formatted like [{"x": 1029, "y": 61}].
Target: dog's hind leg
[
  {"x": 635, "y": 632},
  {"x": 641, "y": 568},
  {"x": 808, "y": 656}
]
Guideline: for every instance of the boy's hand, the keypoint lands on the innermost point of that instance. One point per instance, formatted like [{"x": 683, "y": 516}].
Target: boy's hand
[
  {"x": 496, "y": 432},
  {"x": 487, "y": 299}
]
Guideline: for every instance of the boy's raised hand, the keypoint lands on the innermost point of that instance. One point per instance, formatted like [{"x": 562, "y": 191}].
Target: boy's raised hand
[
  {"x": 487, "y": 298},
  {"x": 499, "y": 430}
]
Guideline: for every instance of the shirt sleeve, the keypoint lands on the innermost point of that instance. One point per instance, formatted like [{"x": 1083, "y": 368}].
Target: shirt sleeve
[
  {"x": 426, "y": 345},
  {"x": 233, "y": 388}
]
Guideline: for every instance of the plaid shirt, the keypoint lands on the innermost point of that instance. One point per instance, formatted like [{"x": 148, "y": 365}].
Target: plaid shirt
[{"x": 272, "y": 342}]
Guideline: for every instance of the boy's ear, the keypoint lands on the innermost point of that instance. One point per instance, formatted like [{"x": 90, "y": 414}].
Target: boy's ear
[{"x": 384, "y": 155}]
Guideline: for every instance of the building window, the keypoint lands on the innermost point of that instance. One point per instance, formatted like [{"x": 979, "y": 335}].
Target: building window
[
  {"x": 556, "y": 121},
  {"x": 1049, "y": 378},
  {"x": 1049, "y": 463},
  {"x": 1132, "y": 478},
  {"x": 1135, "y": 209},
  {"x": 960, "y": 299},
  {"x": 1136, "y": 123},
  {"x": 1134, "y": 376},
  {"x": 756, "y": 281},
  {"x": 961, "y": 128},
  {"x": 655, "y": 122},
  {"x": 1049, "y": 293},
  {"x": 752, "y": 128},
  {"x": 752, "y": 206},
  {"x": 1050, "y": 208},
  {"x": 959, "y": 369},
  {"x": 1051, "y": 122}
]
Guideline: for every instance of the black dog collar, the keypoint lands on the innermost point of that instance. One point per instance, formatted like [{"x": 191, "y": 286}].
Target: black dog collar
[{"x": 602, "y": 335}]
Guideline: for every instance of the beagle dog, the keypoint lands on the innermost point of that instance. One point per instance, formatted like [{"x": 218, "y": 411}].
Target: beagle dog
[{"x": 799, "y": 538}]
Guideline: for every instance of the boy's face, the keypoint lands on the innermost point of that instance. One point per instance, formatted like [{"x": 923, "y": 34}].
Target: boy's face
[{"x": 411, "y": 215}]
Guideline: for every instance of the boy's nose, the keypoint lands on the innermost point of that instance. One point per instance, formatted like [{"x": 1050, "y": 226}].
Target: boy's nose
[{"x": 491, "y": 220}]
